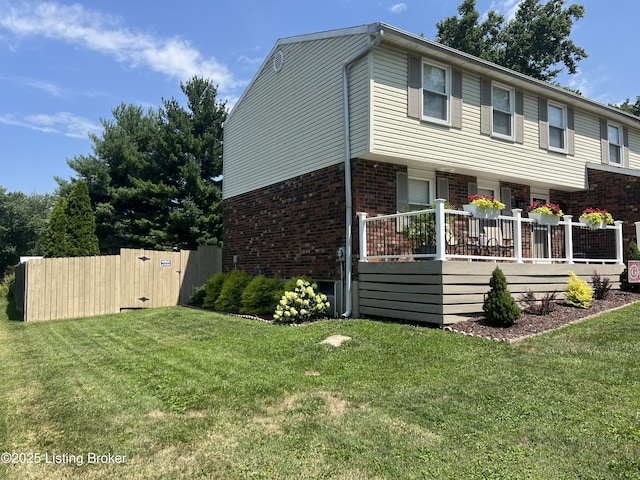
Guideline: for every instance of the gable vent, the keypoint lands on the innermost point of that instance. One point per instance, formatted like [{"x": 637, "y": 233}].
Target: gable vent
[{"x": 278, "y": 61}]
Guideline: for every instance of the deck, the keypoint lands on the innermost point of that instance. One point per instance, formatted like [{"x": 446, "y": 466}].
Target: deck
[{"x": 434, "y": 266}]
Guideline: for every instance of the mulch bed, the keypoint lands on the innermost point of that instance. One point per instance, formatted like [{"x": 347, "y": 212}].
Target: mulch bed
[{"x": 529, "y": 325}]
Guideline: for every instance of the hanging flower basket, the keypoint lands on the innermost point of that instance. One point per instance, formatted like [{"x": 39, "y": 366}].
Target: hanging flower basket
[
  {"x": 544, "y": 218},
  {"x": 483, "y": 206},
  {"x": 545, "y": 213},
  {"x": 481, "y": 212},
  {"x": 595, "y": 218}
]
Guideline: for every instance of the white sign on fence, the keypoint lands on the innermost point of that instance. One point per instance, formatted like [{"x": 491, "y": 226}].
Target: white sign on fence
[
  {"x": 165, "y": 263},
  {"x": 633, "y": 270}
]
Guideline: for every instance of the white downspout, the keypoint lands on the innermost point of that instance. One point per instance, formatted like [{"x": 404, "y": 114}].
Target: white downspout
[{"x": 347, "y": 168}]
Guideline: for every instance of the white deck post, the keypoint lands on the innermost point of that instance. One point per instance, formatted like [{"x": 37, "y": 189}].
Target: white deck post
[
  {"x": 441, "y": 247},
  {"x": 363, "y": 236},
  {"x": 637, "y": 233},
  {"x": 619, "y": 242},
  {"x": 517, "y": 234},
  {"x": 568, "y": 237}
]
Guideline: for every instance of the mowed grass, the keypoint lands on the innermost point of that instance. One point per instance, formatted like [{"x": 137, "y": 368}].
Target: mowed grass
[{"x": 182, "y": 393}]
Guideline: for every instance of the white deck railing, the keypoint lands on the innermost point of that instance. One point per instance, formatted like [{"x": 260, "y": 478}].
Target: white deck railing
[{"x": 444, "y": 234}]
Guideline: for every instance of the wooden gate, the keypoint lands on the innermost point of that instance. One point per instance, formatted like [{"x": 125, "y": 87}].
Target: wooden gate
[{"x": 149, "y": 278}]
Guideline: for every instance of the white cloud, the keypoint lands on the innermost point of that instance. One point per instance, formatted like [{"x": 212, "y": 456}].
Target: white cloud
[
  {"x": 508, "y": 8},
  {"x": 398, "y": 8},
  {"x": 63, "y": 123},
  {"x": 76, "y": 25}
]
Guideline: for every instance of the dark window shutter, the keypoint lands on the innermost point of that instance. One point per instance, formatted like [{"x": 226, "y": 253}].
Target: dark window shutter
[
  {"x": 414, "y": 87},
  {"x": 571, "y": 131},
  {"x": 543, "y": 123},
  {"x": 402, "y": 191},
  {"x": 519, "y": 116},
  {"x": 456, "y": 99},
  {"x": 505, "y": 197},
  {"x": 485, "y": 106},
  {"x": 625, "y": 147},
  {"x": 604, "y": 141},
  {"x": 442, "y": 188}
]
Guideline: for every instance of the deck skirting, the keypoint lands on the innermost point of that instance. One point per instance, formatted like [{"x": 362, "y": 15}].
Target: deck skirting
[{"x": 448, "y": 292}]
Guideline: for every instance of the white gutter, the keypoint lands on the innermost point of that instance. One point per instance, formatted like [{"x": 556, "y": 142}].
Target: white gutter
[{"x": 347, "y": 168}]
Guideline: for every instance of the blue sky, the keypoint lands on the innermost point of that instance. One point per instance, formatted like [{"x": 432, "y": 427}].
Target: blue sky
[{"x": 64, "y": 65}]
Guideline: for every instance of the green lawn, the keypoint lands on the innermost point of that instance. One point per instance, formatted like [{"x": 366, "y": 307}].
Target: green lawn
[{"x": 183, "y": 393}]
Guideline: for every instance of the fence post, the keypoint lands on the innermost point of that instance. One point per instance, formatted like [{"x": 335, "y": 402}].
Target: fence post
[
  {"x": 517, "y": 234},
  {"x": 637, "y": 233},
  {"x": 363, "y": 236},
  {"x": 568, "y": 237},
  {"x": 619, "y": 242},
  {"x": 441, "y": 248}
]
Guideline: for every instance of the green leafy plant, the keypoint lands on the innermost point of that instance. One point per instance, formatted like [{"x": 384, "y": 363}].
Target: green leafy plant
[
  {"x": 261, "y": 295},
  {"x": 213, "y": 287},
  {"x": 302, "y": 304},
  {"x": 596, "y": 216},
  {"x": 230, "y": 298},
  {"x": 420, "y": 229},
  {"x": 578, "y": 292},
  {"x": 601, "y": 286},
  {"x": 538, "y": 306},
  {"x": 500, "y": 308},
  {"x": 198, "y": 295},
  {"x": 7, "y": 285}
]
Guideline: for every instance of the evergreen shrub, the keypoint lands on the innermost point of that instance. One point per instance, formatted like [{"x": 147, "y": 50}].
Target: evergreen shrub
[
  {"x": 213, "y": 287},
  {"x": 230, "y": 298},
  {"x": 261, "y": 295},
  {"x": 578, "y": 292},
  {"x": 500, "y": 308}
]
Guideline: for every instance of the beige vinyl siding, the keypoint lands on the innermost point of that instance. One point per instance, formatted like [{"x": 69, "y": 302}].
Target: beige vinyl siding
[
  {"x": 359, "y": 106},
  {"x": 304, "y": 100},
  {"x": 634, "y": 149},
  {"x": 399, "y": 138}
]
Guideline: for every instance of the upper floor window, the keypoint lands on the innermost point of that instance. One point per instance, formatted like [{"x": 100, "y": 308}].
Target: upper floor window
[
  {"x": 615, "y": 144},
  {"x": 557, "y": 127},
  {"x": 502, "y": 103},
  {"x": 435, "y": 92}
]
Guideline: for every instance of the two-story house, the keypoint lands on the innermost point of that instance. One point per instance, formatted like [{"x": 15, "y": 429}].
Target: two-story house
[{"x": 374, "y": 119}]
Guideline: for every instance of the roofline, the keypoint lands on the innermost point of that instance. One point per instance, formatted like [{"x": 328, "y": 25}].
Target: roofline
[
  {"x": 477, "y": 64},
  {"x": 452, "y": 55}
]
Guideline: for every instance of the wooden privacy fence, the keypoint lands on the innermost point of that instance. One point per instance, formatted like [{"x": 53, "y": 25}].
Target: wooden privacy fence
[{"x": 56, "y": 288}]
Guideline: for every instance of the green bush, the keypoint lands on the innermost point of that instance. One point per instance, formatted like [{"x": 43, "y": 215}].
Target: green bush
[
  {"x": 632, "y": 254},
  {"x": 261, "y": 295},
  {"x": 578, "y": 292},
  {"x": 198, "y": 295},
  {"x": 601, "y": 286},
  {"x": 500, "y": 308},
  {"x": 212, "y": 288},
  {"x": 302, "y": 304},
  {"x": 230, "y": 298},
  {"x": 7, "y": 286}
]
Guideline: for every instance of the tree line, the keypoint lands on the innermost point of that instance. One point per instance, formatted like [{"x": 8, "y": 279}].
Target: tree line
[{"x": 154, "y": 177}]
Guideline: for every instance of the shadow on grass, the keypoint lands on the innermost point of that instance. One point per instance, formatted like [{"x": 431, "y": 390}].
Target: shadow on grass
[{"x": 12, "y": 312}]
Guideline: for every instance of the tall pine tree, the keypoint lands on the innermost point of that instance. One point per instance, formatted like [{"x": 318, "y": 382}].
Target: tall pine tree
[
  {"x": 81, "y": 222},
  {"x": 57, "y": 236}
]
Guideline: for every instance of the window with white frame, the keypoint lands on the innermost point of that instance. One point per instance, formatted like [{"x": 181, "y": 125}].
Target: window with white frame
[
  {"x": 557, "y": 116},
  {"x": 435, "y": 92},
  {"x": 419, "y": 194},
  {"x": 502, "y": 119},
  {"x": 614, "y": 135}
]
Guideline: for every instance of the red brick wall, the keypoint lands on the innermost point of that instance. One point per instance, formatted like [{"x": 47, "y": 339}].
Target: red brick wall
[{"x": 290, "y": 228}]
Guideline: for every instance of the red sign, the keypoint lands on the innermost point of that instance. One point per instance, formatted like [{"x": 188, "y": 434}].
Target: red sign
[{"x": 633, "y": 269}]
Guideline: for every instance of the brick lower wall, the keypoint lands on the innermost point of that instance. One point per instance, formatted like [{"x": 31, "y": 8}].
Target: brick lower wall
[
  {"x": 290, "y": 228},
  {"x": 297, "y": 226}
]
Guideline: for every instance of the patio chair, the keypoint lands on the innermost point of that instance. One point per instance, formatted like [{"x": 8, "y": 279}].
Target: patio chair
[{"x": 503, "y": 247}]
